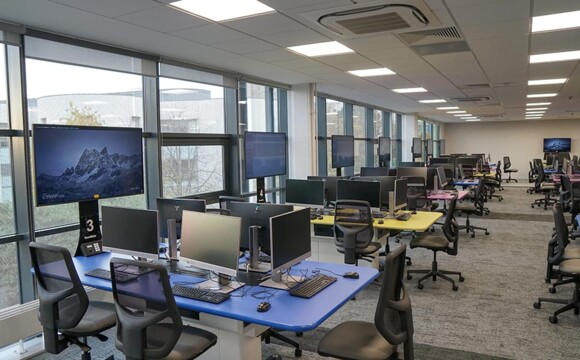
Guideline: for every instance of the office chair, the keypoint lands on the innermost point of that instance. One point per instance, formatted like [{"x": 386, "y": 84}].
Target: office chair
[
  {"x": 417, "y": 195},
  {"x": 466, "y": 171},
  {"x": 353, "y": 231},
  {"x": 508, "y": 169},
  {"x": 149, "y": 322},
  {"x": 570, "y": 198},
  {"x": 494, "y": 183},
  {"x": 567, "y": 268},
  {"x": 477, "y": 208},
  {"x": 437, "y": 243},
  {"x": 393, "y": 324},
  {"x": 541, "y": 186},
  {"x": 532, "y": 175},
  {"x": 65, "y": 311}
]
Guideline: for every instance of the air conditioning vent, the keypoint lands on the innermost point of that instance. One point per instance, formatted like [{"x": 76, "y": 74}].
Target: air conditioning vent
[
  {"x": 472, "y": 99},
  {"x": 375, "y": 17}
]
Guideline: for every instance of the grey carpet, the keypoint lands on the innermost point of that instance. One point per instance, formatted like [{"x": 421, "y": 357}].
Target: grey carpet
[{"x": 490, "y": 317}]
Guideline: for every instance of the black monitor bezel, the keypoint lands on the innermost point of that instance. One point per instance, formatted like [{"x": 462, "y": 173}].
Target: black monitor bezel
[
  {"x": 278, "y": 136},
  {"x": 334, "y": 151}
]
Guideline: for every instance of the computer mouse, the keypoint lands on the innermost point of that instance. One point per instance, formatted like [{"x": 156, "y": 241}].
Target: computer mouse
[
  {"x": 413, "y": 212},
  {"x": 350, "y": 275},
  {"x": 381, "y": 221},
  {"x": 263, "y": 306},
  {"x": 321, "y": 218}
]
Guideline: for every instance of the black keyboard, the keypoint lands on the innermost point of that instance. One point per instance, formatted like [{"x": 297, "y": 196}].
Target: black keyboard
[
  {"x": 213, "y": 297},
  {"x": 106, "y": 274},
  {"x": 312, "y": 286},
  {"x": 403, "y": 216},
  {"x": 378, "y": 215}
]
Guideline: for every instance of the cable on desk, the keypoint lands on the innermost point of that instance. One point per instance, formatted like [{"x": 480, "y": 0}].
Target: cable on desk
[{"x": 330, "y": 271}]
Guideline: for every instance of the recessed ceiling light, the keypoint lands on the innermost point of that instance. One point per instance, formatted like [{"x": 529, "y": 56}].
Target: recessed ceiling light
[
  {"x": 542, "y": 95},
  {"x": 221, "y": 10},
  {"x": 473, "y": 120},
  {"x": 456, "y": 112},
  {"x": 533, "y": 118},
  {"x": 433, "y": 101},
  {"x": 561, "y": 21},
  {"x": 321, "y": 49},
  {"x": 462, "y": 115},
  {"x": 534, "y": 109},
  {"x": 469, "y": 117},
  {"x": 535, "y": 112},
  {"x": 409, "y": 90},
  {"x": 448, "y": 108},
  {"x": 553, "y": 57},
  {"x": 539, "y": 104},
  {"x": 372, "y": 72},
  {"x": 546, "y": 82}
]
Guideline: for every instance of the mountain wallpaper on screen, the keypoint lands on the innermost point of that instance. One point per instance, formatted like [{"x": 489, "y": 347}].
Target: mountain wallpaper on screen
[{"x": 96, "y": 173}]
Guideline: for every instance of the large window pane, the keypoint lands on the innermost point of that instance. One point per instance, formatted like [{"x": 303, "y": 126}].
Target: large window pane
[
  {"x": 334, "y": 126},
  {"x": 192, "y": 170},
  {"x": 359, "y": 131},
  {"x": 189, "y": 107},
  {"x": 6, "y": 194},
  {"x": 76, "y": 95},
  {"x": 10, "y": 294}
]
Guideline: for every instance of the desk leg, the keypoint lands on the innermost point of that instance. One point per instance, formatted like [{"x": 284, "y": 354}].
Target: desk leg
[{"x": 236, "y": 341}]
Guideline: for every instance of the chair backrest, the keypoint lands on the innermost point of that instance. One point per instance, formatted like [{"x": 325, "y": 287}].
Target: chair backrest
[
  {"x": 566, "y": 189},
  {"x": 550, "y": 160},
  {"x": 140, "y": 313},
  {"x": 393, "y": 315},
  {"x": 561, "y": 234},
  {"x": 479, "y": 198},
  {"x": 62, "y": 297},
  {"x": 353, "y": 227},
  {"x": 506, "y": 163},
  {"x": 416, "y": 192},
  {"x": 465, "y": 171},
  {"x": 451, "y": 227},
  {"x": 541, "y": 175},
  {"x": 498, "y": 171}
]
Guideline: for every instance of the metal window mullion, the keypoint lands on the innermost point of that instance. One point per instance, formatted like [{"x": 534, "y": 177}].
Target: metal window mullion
[
  {"x": 231, "y": 168},
  {"x": 151, "y": 113},
  {"x": 321, "y": 136},
  {"x": 283, "y": 126},
  {"x": 348, "y": 130}
]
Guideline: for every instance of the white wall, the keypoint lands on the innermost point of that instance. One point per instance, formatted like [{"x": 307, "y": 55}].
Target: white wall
[{"x": 520, "y": 140}]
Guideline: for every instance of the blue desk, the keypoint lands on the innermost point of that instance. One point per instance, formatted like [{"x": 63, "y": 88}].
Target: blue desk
[
  {"x": 237, "y": 322},
  {"x": 466, "y": 182}
]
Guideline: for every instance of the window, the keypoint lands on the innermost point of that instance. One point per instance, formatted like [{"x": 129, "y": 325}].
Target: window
[
  {"x": 10, "y": 294},
  {"x": 359, "y": 132},
  {"x": 334, "y": 126},
  {"x": 378, "y": 131}
]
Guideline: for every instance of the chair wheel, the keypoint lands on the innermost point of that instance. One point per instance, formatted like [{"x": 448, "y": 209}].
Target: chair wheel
[
  {"x": 547, "y": 280},
  {"x": 432, "y": 229},
  {"x": 461, "y": 279},
  {"x": 472, "y": 236},
  {"x": 553, "y": 319},
  {"x": 409, "y": 262},
  {"x": 409, "y": 277},
  {"x": 298, "y": 353},
  {"x": 487, "y": 233},
  {"x": 420, "y": 286},
  {"x": 537, "y": 305},
  {"x": 299, "y": 333},
  {"x": 576, "y": 311},
  {"x": 532, "y": 206},
  {"x": 455, "y": 287},
  {"x": 552, "y": 290}
]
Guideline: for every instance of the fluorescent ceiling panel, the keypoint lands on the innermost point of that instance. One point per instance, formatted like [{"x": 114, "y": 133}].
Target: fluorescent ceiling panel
[
  {"x": 321, "y": 49},
  {"x": 448, "y": 108},
  {"x": 372, "y": 72},
  {"x": 463, "y": 115},
  {"x": 433, "y": 101},
  {"x": 534, "y": 112},
  {"x": 561, "y": 21},
  {"x": 553, "y": 57},
  {"x": 221, "y": 10},
  {"x": 542, "y": 95},
  {"x": 547, "y": 82},
  {"x": 469, "y": 117},
  {"x": 539, "y": 104},
  {"x": 410, "y": 90},
  {"x": 535, "y": 109},
  {"x": 473, "y": 120},
  {"x": 456, "y": 112}
]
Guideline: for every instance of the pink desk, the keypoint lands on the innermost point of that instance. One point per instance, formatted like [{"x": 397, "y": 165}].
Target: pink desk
[
  {"x": 573, "y": 178},
  {"x": 447, "y": 195}
]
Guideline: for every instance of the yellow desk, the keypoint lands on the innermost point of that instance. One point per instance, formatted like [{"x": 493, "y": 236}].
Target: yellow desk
[
  {"x": 324, "y": 249},
  {"x": 489, "y": 174}
]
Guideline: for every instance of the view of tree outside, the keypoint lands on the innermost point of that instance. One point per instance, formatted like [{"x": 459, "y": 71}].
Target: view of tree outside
[
  {"x": 378, "y": 128},
  {"x": 359, "y": 131},
  {"x": 334, "y": 126}
]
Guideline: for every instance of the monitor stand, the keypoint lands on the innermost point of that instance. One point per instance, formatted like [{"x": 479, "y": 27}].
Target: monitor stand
[
  {"x": 134, "y": 270},
  {"x": 223, "y": 284},
  {"x": 282, "y": 281},
  {"x": 254, "y": 264}
]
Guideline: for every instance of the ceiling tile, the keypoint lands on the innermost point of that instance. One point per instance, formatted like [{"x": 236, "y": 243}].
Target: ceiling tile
[
  {"x": 209, "y": 34},
  {"x": 245, "y": 46},
  {"x": 495, "y": 11},
  {"x": 265, "y": 24},
  {"x": 548, "y": 7},
  {"x": 274, "y": 55},
  {"x": 495, "y": 29},
  {"x": 551, "y": 70},
  {"x": 302, "y": 62},
  {"x": 162, "y": 19},
  {"x": 285, "y": 4},
  {"x": 293, "y": 38},
  {"x": 109, "y": 8},
  {"x": 385, "y": 41},
  {"x": 555, "y": 41},
  {"x": 511, "y": 96},
  {"x": 461, "y": 68}
]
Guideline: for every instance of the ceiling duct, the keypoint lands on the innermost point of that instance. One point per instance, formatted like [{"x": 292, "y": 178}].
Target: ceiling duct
[
  {"x": 375, "y": 17},
  {"x": 471, "y": 99}
]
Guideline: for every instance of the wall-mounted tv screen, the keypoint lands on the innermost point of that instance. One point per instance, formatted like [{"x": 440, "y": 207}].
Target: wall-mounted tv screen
[
  {"x": 78, "y": 163},
  {"x": 342, "y": 151},
  {"x": 265, "y": 154},
  {"x": 384, "y": 148},
  {"x": 557, "y": 144}
]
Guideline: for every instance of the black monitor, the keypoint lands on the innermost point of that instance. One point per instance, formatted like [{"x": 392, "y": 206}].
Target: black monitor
[
  {"x": 400, "y": 195},
  {"x": 575, "y": 160},
  {"x": 172, "y": 209},
  {"x": 557, "y": 144},
  {"x": 264, "y": 154},
  {"x": 130, "y": 231},
  {"x": 342, "y": 151},
  {"x": 416, "y": 148},
  {"x": 384, "y": 150},
  {"x": 438, "y": 160},
  {"x": 411, "y": 172},
  {"x": 374, "y": 171},
  {"x": 411, "y": 164},
  {"x": 290, "y": 243},
  {"x": 429, "y": 147},
  {"x": 360, "y": 190},
  {"x": 329, "y": 187},
  {"x": 442, "y": 178},
  {"x": 257, "y": 214},
  {"x": 80, "y": 163},
  {"x": 387, "y": 186},
  {"x": 308, "y": 193},
  {"x": 431, "y": 179},
  {"x": 466, "y": 160},
  {"x": 212, "y": 242}
]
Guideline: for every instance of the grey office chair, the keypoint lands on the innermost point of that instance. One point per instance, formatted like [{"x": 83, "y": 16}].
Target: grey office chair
[
  {"x": 149, "y": 323},
  {"x": 65, "y": 311},
  {"x": 353, "y": 231},
  {"x": 475, "y": 208},
  {"x": 508, "y": 169},
  {"x": 448, "y": 243},
  {"x": 567, "y": 269},
  {"x": 393, "y": 325},
  {"x": 543, "y": 186}
]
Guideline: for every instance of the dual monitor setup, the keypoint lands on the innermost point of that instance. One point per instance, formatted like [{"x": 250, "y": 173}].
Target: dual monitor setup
[{"x": 342, "y": 151}]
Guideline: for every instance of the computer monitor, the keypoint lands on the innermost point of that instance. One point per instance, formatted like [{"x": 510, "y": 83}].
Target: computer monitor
[
  {"x": 290, "y": 243},
  {"x": 264, "y": 154},
  {"x": 431, "y": 180},
  {"x": 342, "y": 151},
  {"x": 466, "y": 160},
  {"x": 442, "y": 178},
  {"x": 130, "y": 231},
  {"x": 172, "y": 209},
  {"x": 557, "y": 144},
  {"x": 411, "y": 172},
  {"x": 212, "y": 242},
  {"x": 374, "y": 171},
  {"x": 387, "y": 186},
  {"x": 438, "y": 160},
  {"x": 575, "y": 160},
  {"x": 329, "y": 188},
  {"x": 400, "y": 196},
  {"x": 384, "y": 150},
  {"x": 360, "y": 190},
  {"x": 309, "y": 193}
]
